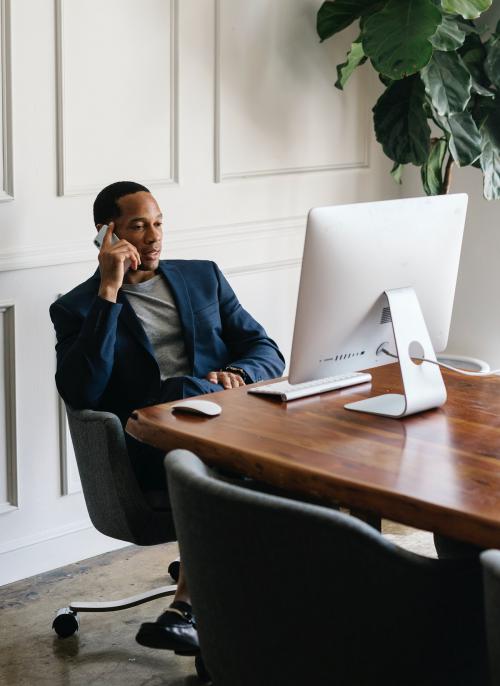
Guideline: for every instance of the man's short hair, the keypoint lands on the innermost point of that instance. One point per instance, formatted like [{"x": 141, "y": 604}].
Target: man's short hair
[{"x": 106, "y": 206}]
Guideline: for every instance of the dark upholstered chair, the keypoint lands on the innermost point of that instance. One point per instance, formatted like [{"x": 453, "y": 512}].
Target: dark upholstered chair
[
  {"x": 491, "y": 575},
  {"x": 116, "y": 505},
  {"x": 288, "y": 593}
]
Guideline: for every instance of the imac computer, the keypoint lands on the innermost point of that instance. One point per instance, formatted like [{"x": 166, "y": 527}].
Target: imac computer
[{"x": 379, "y": 276}]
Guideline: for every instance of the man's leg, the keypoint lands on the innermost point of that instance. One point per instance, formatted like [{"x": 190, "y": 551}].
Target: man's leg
[
  {"x": 449, "y": 548},
  {"x": 175, "y": 629},
  {"x": 147, "y": 462}
]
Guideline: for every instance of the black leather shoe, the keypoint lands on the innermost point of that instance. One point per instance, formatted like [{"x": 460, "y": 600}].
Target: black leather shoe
[{"x": 175, "y": 630}]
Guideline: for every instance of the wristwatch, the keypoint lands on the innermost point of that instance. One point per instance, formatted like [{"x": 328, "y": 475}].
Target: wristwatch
[{"x": 239, "y": 371}]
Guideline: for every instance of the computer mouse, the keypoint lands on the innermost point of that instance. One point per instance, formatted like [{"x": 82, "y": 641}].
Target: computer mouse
[{"x": 203, "y": 407}]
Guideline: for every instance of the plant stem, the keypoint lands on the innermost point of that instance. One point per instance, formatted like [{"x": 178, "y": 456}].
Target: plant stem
[{"x": 447, "y": 176}]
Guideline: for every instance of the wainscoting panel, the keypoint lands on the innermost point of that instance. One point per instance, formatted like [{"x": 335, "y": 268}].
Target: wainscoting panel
[
  {"x": 276, "y": 111},
  {"x": 70, "y": 479},
  {"x": 6, "y": 166},
  {"x": 269, "y": 293},
  {"x": 9, "y": 499},
  {"x": 117, "y": 93}
]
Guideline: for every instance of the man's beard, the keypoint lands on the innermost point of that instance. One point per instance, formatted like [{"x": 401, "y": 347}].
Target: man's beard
[{"x": 143, "y": 268}]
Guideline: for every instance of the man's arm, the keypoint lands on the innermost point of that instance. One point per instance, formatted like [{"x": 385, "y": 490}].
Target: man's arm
[
  {"x": 250, "y": 347},
  {"x": 85, "y": 345},
  {"x": 85, "y": 351},
  {"x": 112, "y": 261}
]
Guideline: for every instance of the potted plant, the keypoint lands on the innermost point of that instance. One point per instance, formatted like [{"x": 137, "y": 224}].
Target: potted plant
[{"x": 441, "y": 72}]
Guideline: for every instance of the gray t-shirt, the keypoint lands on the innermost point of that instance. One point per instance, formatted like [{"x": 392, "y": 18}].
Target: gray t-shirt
[{"x": 155, "y": 307}]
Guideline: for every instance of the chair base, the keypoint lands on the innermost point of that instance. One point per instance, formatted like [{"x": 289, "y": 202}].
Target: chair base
[
  {"x": 124, "y": 603},
  {"x": 66, "y": 621}
]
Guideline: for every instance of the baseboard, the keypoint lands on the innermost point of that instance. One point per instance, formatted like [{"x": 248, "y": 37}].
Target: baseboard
[{"x": 63, "y": 547}]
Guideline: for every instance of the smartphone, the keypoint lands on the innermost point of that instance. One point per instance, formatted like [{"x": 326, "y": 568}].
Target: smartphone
[
  {"x": 114, "y": 239},
  {"x": 100, "y": 236}
]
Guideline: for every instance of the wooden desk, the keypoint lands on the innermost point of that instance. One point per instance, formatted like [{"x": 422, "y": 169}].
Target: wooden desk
[{"x": 438, "y": 471}]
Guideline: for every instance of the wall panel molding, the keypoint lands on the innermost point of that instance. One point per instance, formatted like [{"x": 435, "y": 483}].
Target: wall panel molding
[
  {"x": 64, "y": 185},
  {"x": 271, "y": 266},
  {"x": 7, "y": 190},
  {"x": 284, "y": 229},
  {"x": 54, "y": 547},
  {"x": 69, "y": 477},
  {"x": 70, "y": 480},
  {"x": 44, "y": 536},
  {"x": 9, "y": 394},
  {"x": 221, "y": 176}
]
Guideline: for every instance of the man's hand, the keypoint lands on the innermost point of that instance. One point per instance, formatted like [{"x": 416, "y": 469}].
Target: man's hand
[
  {"x": 112, "y": 259},
  {"x": 226, "y": 379}
]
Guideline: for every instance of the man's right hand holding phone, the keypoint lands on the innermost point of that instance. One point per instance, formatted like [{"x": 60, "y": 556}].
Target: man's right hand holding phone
[{"x": 116, "y": 256}]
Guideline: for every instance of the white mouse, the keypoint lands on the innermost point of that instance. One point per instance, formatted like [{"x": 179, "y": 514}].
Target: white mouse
[{"x": 203, "y": 407}]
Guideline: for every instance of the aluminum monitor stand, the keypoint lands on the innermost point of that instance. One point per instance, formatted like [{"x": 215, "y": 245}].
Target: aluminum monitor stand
[{"x": 423, "y": 384}]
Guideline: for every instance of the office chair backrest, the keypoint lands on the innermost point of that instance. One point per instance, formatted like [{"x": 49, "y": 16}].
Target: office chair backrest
[
  {"x": 491, "y": 575},
  {"x": 291, "y": 593},
  {"x": 116, "y": 504}
]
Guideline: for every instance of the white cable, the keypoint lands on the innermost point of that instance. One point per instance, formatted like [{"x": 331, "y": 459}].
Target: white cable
[{"x": 466, "y": 372}]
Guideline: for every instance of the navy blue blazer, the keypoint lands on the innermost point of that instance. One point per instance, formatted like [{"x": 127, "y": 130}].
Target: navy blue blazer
[{"x": 105, "y": 360}]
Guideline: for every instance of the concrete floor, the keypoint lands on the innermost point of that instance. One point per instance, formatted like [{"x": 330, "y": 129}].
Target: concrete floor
[{"x": 104, "y": 651}]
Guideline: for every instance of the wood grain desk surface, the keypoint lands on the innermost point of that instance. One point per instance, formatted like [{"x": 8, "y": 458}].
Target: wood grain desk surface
[{"x": 439, "y": 470}]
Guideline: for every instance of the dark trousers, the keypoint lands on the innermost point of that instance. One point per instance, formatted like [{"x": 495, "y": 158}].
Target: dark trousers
[
  {"x": 147, "y": 462},
  {"x": 449, "y": 548}
]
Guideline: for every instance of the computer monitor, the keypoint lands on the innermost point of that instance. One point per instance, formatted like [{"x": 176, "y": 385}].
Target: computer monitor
[{"x": 353, "y": 256}]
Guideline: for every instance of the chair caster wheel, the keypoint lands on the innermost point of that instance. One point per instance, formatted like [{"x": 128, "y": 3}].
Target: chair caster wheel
[
  {"x": 174, "y": 570},
  {"x": 66, "y": 623},
  {"x": 201, "y": 670}
]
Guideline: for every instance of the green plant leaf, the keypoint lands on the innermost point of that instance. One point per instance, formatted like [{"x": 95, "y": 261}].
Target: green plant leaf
[
  {"x": 468, "y": 9},
  {"x": 385, "y": 80},
  {"x": 432, "y": 170},
  {"x": 447, "y": 82},
  {"x": 481, "y": 90},
  {"x": 473, "y": 54},
  {"x": 397, "y": 173},
  {"x": 372, "y": 9},
  {"x": 397, "y": 37},
  {"x": 483, "y": 109},
  {"x": 355, "y": 57},
  {"x": 449, "y": 35},
  {"x": 492, "y": 62},
  {"x": 469, "y": 27},
  {"x": 400, "y": 122},
  {"x": 464, "y": 139},
  {"x": 490, "y": 165},
  {"x": 490, "y": 154},
  {"x": 336, "y": 15}
]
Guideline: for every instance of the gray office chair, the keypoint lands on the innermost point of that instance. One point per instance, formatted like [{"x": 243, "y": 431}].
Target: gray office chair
[
  {"x": 491, "y": 576},
  {"x": 291, "y": 593},
  {"x": 116, "y": 505}
]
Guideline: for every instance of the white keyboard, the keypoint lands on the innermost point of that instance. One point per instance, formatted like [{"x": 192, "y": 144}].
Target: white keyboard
[{"x": 288, "y": 391}]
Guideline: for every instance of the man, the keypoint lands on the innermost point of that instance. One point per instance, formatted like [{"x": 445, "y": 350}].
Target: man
[{"x": 142, "y": 331}]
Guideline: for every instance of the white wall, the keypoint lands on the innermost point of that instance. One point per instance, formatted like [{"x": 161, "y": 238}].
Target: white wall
[
  {"x": 475, "y": 327},
  {"x": 226, "y": 108}
]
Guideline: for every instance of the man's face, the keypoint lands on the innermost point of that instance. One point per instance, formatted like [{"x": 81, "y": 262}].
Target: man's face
[{"x": 140, "y": 223}]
